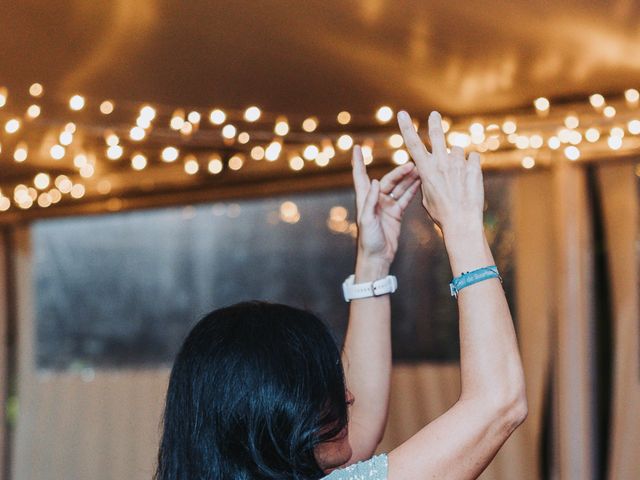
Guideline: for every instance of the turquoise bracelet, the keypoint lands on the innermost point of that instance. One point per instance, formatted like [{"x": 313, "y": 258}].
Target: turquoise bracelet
[{"x": 470, "y": 278}]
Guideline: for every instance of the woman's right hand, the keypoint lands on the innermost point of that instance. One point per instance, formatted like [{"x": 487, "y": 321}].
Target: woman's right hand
[{"x": 452, "y": 188}]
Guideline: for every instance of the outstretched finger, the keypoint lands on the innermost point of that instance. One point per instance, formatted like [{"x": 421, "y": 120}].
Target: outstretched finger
[
  {"x": 361, "y": 180},
  {"x": 436, "y": 135},
  {"x": 404, "y": 201},
  {"x": 368, "y": 212},
  {"x": 395, "y": 176},
  {"x": 416, "y": 148}
]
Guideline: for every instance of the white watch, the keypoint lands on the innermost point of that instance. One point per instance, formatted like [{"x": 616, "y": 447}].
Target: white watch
[{"x": 354, "y": 291}]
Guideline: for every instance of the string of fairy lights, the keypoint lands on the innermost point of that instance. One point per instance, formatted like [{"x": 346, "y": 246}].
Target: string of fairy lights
[{"x": 99, "y": 135}]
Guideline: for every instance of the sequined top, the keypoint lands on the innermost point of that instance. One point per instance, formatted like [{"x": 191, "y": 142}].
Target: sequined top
[{"x": 373, "y": 469}]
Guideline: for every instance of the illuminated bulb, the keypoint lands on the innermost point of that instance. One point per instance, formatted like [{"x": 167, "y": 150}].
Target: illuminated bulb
[
  {"x": 236, "y": 162},
  {"x": 57, "y": 152},
  {"x": 572, "y": 153},
  {"x": 63, "y": 183},
  {"x": 634, "y": 127},
  {"x": 528, "y": 162},
  {"x": 296, "y": 163},
  {"x": 65, "y": 138},
  {"x": 257, "y": 153},
  {"x": 243, "y": 138},
  {"x": 41, "y": 181},
  {"x": 194, "y": 117},
  {"x": 554, "y": 143},
  {"x": 596, "y": 100},
  {"x": 617, "y": 132},
  {"x": 310, "y": 152},
  {"x": 367, "y": 154},
  {"x": 112, "y": 139},
  {"x": 106, "y": 107},
  {"x": 592, "y": 135},
  {"x": 12, "y": 126},
  {"x": 138, "y": 161},
  {"x": 252, "y": 114},
  {"x": 33, "y": 111},
  {"x": 344, "y": 118},
  {"x": 400, "y": 157},
  {"x": 187, "y": 128},
  {"x": 384, "y": 114},
  {"x": 322, "y": 160},
  {"x": 632, "y": 95},
  {"x": 70, "y": 127},
  {"x": 177, "y": 120},
  {"x": 522, "y": 142},
  {"x": 114, "y": 152},
  {"x": 191, "y": 165},
  {"x": 87, "y": 171},
  {"x": 44, "y": 200},
  {"x": 542, "y": 105},
  {"x": 80, "y": 160},
  {"x": 21, "y": 152},
  {"x": 327, "y": 148},
  {"x": 229, "y": 131},
  {"x": 215, "y": 165},
  {"x": 77, "y": 191},
  {"x": 217, "y": 116},
  {"x": 614, "y": 142},
  {"x": 36, "y": 90},
  {"x": 76, "y": 102},
  {"x": 493, "y": 143},
  {"x": 137, "y": 133},
  {"x": 282, "y": 127},
  {"x": 272, "y": 152},
  {"x": 143, "y": 122},
  {"x": 571, "y": 121},
  {"x": 169, "y": 154},
  {"x": 509, "y": 127},
  {"x": 345, "y": 142},
  {"x": 446, "y": 125},
  {"x": 575, "y": 137},
  {"x": 609, "y": 111},
  {"x": 395, "y": 140},
  {"x": 476, "y": 128},
  {"x": 5, "y": 204},
  {"x": 564, "y": 135},
  {"x": 55, "y": 195},
  {"x": 148, "y": 112},
  {"x": 536, "y": 141},
  {"x": 310, "y": 124},
  {"x": 477, "y": 138}
]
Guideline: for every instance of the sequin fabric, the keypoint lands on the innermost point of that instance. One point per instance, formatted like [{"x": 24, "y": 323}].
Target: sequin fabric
[{"x": 373, "y": 469}]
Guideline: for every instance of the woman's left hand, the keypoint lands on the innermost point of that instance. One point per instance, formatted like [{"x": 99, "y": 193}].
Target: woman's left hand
[{"x": 380, "y": 207}]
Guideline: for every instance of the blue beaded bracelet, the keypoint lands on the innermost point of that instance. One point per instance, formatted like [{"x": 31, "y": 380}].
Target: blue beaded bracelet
[{"x": 470, "y": 278}]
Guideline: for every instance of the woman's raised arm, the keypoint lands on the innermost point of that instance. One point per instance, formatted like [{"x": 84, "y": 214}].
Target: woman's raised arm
[
  {"x": 463, "y": 441},
  {"x": 367, "y": 347}
]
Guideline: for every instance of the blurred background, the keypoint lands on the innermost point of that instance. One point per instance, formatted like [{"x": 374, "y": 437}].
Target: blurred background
[{"x": 162, "y": 159}]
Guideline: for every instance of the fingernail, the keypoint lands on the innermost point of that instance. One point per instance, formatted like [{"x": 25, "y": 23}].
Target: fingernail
[
  {"x": 436, "y": 115},
  {"x": 402, "y": 115}
]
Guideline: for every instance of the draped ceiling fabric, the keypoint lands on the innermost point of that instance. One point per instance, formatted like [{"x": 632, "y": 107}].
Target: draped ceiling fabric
[{"x": 320, "y": 57}]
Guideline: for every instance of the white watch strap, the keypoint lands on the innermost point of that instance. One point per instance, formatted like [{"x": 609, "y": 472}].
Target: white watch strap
[{"x": 354, "y": 291}]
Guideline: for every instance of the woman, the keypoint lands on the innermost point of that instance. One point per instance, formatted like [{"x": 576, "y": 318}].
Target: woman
[{"x": 258, "y": 390}]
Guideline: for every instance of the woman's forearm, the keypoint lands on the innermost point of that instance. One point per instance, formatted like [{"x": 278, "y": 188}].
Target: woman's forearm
[
  {"x": 367, "y": 361},
  {"x": 490, "y": 363}
]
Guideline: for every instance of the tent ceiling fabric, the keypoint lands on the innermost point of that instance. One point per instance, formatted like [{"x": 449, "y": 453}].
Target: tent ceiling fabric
[{"x": 324, "y": 56}]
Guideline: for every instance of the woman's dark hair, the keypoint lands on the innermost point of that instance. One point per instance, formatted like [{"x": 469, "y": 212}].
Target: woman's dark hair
[{"x": 254, "y": 388}]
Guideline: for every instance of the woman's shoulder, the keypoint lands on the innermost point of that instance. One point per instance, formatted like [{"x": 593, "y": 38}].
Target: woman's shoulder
[{"x": 373, "y": 469}]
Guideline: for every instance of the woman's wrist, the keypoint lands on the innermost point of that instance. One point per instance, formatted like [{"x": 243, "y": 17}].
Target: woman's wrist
[
  {"x": 370, "y": 268},
  {"x": 467, "y": 248}
]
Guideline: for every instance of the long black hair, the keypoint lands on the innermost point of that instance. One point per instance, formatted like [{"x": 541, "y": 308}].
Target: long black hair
[{"x": 254, "y": 389}]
